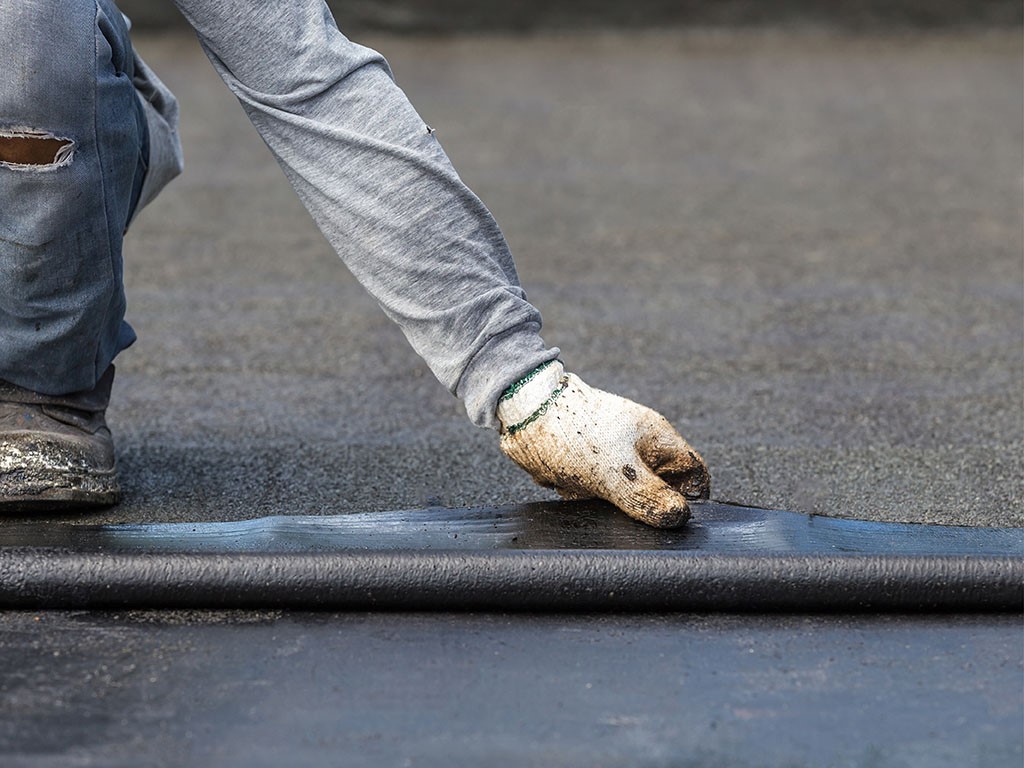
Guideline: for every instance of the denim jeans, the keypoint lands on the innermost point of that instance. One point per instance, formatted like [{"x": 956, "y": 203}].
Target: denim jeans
[{"x": 371, "y": 173}]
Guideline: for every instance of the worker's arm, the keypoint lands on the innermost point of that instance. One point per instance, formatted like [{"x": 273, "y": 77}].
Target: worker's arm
[{"x": 385, "y": 195}]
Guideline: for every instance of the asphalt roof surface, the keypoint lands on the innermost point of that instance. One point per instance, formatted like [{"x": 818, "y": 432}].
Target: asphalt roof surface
[
  {"x": 145, "y": 688},
  {"x": 804, "y": 249}
]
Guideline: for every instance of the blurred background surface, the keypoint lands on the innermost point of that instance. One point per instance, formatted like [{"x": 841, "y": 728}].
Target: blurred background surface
[{"x": 525, "y": 15}]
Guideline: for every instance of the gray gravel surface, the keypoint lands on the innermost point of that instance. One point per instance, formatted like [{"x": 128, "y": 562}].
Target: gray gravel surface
[{"x": 804, "y": 249}]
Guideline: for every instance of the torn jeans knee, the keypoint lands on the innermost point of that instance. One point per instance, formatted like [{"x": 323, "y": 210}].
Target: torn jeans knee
[{"x": 28, "y": 149}]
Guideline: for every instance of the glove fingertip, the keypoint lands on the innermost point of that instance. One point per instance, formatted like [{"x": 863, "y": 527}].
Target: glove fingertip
[
  {"x": 666, "y": 510},
  {"x": 674, "y": 516}
]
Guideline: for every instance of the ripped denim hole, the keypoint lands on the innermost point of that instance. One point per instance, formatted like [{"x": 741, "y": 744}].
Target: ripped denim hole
[{"x": 26, "y": 149}]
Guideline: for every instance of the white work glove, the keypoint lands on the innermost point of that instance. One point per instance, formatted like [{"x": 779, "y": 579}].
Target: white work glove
[{"x": 587, "y": 444}]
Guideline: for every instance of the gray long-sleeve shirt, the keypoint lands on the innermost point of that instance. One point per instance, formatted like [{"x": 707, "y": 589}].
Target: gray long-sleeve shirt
[{"x": 378, "y": 185}]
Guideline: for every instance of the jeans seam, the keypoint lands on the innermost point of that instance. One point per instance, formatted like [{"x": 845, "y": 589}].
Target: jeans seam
[{"x": 103, "y": 182}]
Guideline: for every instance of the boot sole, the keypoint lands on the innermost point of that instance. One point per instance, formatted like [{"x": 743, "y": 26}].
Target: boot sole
[{"x": 59, "y": 491}]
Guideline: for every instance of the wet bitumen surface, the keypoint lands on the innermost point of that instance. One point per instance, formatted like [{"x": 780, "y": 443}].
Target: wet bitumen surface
[
  {"x": 714, "y": 528},
  {"x": 804, "y": 249}
]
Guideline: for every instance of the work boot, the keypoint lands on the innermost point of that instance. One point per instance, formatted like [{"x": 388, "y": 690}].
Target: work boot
[{"x": 56, "y": 452}]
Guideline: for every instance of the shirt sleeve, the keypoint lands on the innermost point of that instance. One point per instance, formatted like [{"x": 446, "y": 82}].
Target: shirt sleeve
[{"x": 380, "y": 188}]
